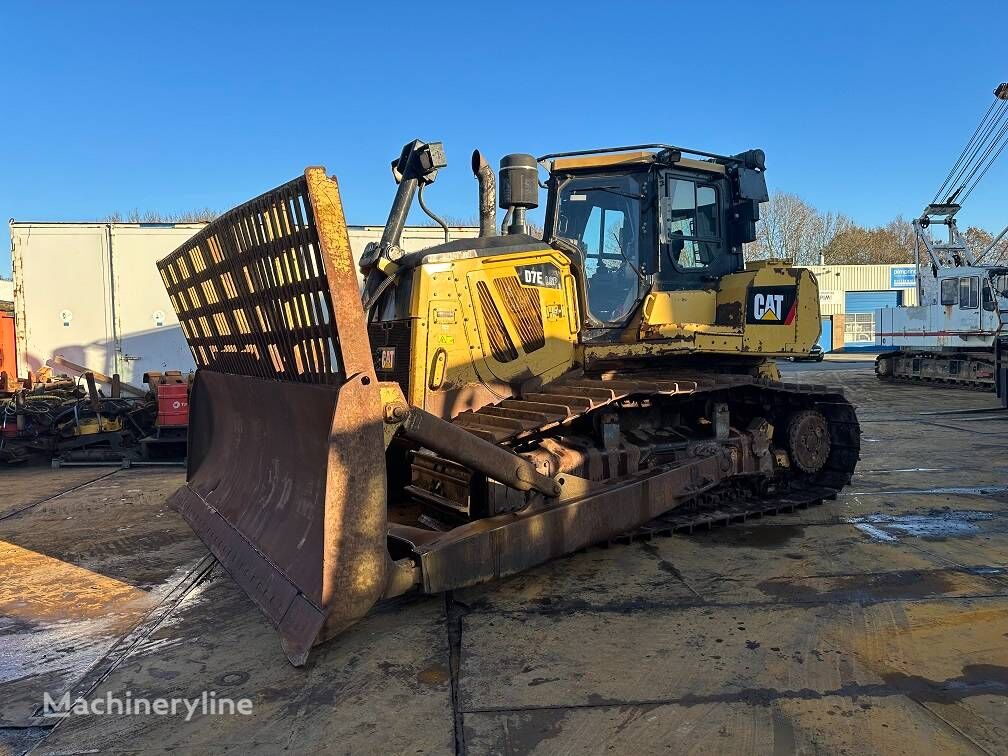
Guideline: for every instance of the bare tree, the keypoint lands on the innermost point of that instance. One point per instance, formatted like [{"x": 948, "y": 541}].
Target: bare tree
[
  {"x": 793, "y": 231},
  {"x": 460, "y": 221},
  {"x": 153, "y": 216},
  {"x": 890, "y": 244}
]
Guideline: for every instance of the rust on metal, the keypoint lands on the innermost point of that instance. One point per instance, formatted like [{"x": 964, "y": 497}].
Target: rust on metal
[
  {"x": 286, "y": 479},
  {"x": 289, "y": 428}
]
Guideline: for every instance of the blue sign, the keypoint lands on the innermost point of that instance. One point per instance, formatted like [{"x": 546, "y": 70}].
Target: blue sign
[{"x": 902, "y": 277}]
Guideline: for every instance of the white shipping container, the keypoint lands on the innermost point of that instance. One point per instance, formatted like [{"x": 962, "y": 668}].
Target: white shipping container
[{"x": 91, "y": 292}]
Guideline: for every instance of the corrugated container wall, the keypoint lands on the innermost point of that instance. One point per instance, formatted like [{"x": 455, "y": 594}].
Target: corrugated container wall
[
  {"x": 91, "y": 293},
  {"x": 836, "y": 280}
]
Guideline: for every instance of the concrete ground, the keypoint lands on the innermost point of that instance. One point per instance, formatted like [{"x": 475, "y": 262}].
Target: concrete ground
[{"x": 877, "y": 623}]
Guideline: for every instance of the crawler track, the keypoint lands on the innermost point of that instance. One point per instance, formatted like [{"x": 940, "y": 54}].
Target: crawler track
[
  {"x": 557, "y": 415},
  {"x": 730, "y": 504},
  {"x": 972, "y": 371}
]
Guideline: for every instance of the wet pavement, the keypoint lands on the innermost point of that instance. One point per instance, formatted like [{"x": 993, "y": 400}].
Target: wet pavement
[{"x": 877, "y": 623}]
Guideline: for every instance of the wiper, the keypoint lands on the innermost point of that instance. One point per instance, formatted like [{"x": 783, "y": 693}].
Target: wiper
[{"x": 609, "y": 189}]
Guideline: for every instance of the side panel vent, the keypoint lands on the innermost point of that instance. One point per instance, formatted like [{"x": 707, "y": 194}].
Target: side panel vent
[
  {"x": 501, "y": 346},
  {"x": 523, "y": 306}
]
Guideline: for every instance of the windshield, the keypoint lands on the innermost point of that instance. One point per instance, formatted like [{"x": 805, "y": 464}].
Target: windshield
[{"x": 601, "y": 215}]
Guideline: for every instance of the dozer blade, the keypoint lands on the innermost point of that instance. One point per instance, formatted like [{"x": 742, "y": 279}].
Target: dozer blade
[{"x": 286, "y": 475}]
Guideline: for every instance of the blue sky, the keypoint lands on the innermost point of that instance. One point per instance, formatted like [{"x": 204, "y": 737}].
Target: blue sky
[{"x": 861, "y": 107}]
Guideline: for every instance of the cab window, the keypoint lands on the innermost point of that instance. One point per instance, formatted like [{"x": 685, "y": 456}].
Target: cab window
[
  {"x": 690, "y": 223},
  {"x": 949, "y": 291},
  {"x": 969, "y": 293},
  {"x": 601, "y": 215},
  {"x": 988, "y": 302}
]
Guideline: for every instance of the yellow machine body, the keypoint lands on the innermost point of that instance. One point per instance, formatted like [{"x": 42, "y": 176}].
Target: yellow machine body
[
  {"x": 97, "y": 424},
  {"x": 488, "y": 404},
  {"x": 478, "y": 330}
]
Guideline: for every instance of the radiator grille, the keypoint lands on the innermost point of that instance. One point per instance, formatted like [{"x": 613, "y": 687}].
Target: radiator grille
[
  {"x": 501, "y": 346},
  {"x": 523, "y": 306}
]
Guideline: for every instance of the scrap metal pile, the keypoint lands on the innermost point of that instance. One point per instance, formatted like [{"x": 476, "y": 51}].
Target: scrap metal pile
[{"x": 73, "y": 420}]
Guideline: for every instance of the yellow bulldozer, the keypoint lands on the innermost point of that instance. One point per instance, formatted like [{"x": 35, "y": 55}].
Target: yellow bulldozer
[{"x": 487, "y": 404}]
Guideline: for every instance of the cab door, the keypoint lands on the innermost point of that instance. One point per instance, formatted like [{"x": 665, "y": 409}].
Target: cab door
[{"x": 967, "y": 316}]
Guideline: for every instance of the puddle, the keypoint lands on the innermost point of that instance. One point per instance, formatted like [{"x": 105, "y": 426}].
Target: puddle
[
  {"x": 961, "y": 491},
  {"x": 766, "y": 535},
  {"x": 38, "y": 649},
  {"x": 985, "y": 569},
  {"x": 167, "y": 634},
  {"x": 938, "y": 523},
  {"x": 903, "y": 470}
]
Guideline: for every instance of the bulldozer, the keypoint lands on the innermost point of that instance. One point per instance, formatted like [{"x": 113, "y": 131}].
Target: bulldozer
[{"x": 473, "y": 409}]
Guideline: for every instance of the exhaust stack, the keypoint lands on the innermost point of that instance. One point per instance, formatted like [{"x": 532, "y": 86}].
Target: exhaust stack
[{"x": 487, "y": 194}]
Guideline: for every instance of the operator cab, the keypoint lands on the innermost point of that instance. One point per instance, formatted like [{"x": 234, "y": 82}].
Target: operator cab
[
  {"x": 631, "y": 219},
  {"x": 636, "y": 221}
]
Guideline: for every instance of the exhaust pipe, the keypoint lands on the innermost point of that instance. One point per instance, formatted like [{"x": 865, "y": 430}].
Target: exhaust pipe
[{"x": 487, "y": 194}]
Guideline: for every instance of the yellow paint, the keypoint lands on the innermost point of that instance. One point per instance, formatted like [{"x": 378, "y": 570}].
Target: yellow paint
[
  {"x": 451, "y": 341},
  {"x": 604, "y": 160},
  {"x": 40, "y": 588},
  {"x": 689, "y": 321},
  {"x": 391, "y": 394},
  {"x": 667, "y": 307},
  {"x": 329, "y": 220},
  {"x": 437, "y": 371},
  {"x": 90, "y": 425},
  {"x": 631, "y": 157},
  {"x": 451, "y": 345}
]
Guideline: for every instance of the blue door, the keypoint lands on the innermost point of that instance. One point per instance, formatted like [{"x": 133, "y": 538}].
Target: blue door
[
  {"x": 859, "y": 316},
  {"x": 869, "y": 301},
  {"x": 826, "y": 335}
]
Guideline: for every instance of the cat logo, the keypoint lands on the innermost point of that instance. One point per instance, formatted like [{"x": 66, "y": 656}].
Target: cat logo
[
  {"x": 774, "y": 305},
  {"x": 767, "y": 306}
]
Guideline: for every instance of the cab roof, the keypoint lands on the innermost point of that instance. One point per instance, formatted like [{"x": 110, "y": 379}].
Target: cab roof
[{"x": 628, "y": 158}]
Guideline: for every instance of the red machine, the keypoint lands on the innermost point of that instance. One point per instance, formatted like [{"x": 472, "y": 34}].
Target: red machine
[
  {"x": 8, "y": 354},
  {"x": 171, "y": 428},
  {"x": 173, "y": 405}
]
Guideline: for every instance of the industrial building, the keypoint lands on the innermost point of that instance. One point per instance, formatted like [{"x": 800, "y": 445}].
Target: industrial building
[
  {"x": 849, "y": 296},
  {"x": 91, "y": 293}
]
